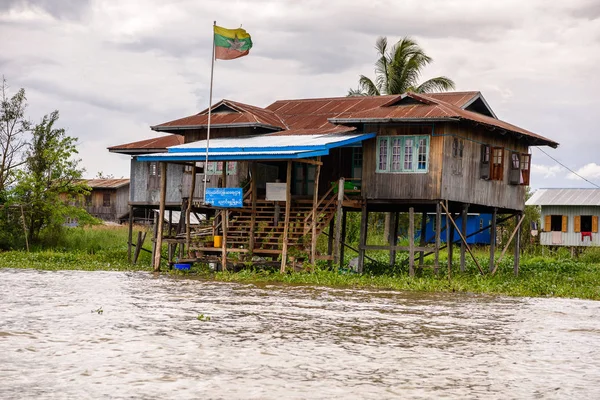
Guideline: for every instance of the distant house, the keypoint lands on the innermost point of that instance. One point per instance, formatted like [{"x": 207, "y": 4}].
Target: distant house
[
  {"x": 569, "y": 216},
  {"x": 107, "y": 199},
  {"x": 474, "y": 233}
]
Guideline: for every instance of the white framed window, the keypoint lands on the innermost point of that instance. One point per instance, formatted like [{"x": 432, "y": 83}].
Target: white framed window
[{"x": 403, "y": 154}]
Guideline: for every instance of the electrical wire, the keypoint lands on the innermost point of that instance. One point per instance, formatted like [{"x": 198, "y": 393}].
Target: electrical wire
[{"x": 567, "y": 168}]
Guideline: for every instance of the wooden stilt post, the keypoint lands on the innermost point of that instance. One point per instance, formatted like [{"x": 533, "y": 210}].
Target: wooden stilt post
[
  {"x": 330, "y": 239},
  {"x": 448, "y": 216},
  {"x": 411, "y": 241},
  {"x": 463, "y": 248},
  {"x": 130, "y": 234},
  {"x": 313, "y": 241},
  {"x": 139, "y": 246},
  {"x": 392, "y": 218},
  {"x": 338, "y": 222},
  {"x": 224, "y": 219},
  {"x": 342, "y": 246},
  {"x": 493, "y": 238},
  {"x": 170, "y": 225},
  {"x": 188, "y": 211},
  {"x": 253, "y": 196},
  {"x": 438, "y": 234},
  {"x": 224, "y": 226},
  {"x": 161, "y": 215},
  {"x": 154, "y": 235},
  {"x": 288, "y": 205},
  {"x": 423, "y": 238},
  {"x": 449, "y": 240},
  {"x": 364, "y": 221},
  {"x": 516, "y": 231},
  {"x": 517, "y": 255}
]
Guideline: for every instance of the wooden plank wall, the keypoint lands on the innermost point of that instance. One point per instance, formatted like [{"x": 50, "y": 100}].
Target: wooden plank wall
[
  {"x": 467, "y": 187},
  {"x": 389, "y": 186}
]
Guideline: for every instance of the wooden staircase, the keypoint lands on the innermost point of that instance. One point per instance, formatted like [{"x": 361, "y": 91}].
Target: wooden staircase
[{"x": 269, "y": 224}]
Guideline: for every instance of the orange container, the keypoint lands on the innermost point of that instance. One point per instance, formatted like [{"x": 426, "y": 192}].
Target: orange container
[{"x": 218, "y": 241}]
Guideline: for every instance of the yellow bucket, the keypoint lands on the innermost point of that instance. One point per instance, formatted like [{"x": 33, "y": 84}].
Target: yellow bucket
[{"x": 218, "y": 241}]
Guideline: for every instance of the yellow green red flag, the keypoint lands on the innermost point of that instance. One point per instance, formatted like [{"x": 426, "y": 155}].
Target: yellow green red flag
[{"x": 231, "y": 43}]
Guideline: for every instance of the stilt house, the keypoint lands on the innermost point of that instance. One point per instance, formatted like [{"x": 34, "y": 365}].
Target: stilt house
[{"x": 436, "y": 153}]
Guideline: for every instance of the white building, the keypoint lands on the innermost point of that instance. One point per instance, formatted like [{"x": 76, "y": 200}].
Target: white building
[{"x": 569, "y": 216}]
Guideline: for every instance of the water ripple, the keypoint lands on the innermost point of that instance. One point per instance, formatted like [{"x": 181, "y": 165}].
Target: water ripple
[{"x": 276, "y": 341}]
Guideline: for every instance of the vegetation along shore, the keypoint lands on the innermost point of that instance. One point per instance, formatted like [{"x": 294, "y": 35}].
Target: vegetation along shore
[{"x": 555, "y": 274}]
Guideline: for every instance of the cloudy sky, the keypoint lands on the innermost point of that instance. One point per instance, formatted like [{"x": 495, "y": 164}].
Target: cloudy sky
[{"x": 113, "y": 68}]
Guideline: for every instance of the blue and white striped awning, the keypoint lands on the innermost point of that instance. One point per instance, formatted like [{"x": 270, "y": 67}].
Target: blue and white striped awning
[{"x": 262, "y": 147}]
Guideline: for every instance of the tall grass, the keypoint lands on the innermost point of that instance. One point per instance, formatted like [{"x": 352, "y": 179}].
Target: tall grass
[{"x": 558, "y": 274}]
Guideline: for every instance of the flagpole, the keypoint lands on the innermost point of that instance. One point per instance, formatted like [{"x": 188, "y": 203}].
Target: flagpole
[{"x": 212, "y": 68}]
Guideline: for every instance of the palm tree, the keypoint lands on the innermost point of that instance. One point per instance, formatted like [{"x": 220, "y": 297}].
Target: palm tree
[{"x": 398, "y": 71}]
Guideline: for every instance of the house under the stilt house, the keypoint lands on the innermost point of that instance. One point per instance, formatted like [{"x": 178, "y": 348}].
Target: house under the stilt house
[{"x": 444, "y": 153}]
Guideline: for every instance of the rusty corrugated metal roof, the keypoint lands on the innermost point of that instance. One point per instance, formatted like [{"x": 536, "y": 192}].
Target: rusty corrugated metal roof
[
  {"x": 329, "y": 115},
  {"x": 224, "y": 114},
  {"x": 106, "y": 183},
  {"x": 153, "y": 145},
  {"x": 427, "y": 107},
  {"x": 458, "y": 99},
  {"x": 311, "y": 116}
]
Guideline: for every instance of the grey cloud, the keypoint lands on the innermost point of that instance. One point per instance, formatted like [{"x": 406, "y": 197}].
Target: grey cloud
[
  {"x": 589, "y": 10},
  {"x": 59, "y": 9},
  {"x": 95, "y": 99},
  {"x": 178, "y": 47}
]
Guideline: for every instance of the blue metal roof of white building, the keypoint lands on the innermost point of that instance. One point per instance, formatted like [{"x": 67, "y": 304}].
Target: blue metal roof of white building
[
  {"x": 565, "y": 197},
  {"x": 263, "y": 147}
]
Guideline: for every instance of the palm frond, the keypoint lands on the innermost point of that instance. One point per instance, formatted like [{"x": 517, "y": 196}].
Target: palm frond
[
  {"x": 367, "y": 86},
  {"x": 439, "y": 84},
  {"x": 382, "y": 65}
]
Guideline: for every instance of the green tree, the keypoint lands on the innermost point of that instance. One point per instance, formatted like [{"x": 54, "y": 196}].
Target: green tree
[
  {"x": 13, "y": 128},
  {"x": 50, "y": 180},
  {"x": 399, "y": 70}
]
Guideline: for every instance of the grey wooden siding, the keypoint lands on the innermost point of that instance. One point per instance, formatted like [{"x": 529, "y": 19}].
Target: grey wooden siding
[
  {"x": 468, "y": 187},
  {"x": 141, "y": 194},
  {"x": 569, "y": 238},
  {"x": 445, "y": 179}
]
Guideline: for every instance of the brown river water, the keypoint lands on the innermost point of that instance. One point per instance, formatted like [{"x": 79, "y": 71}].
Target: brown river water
[{"x": 284, "y": 342}]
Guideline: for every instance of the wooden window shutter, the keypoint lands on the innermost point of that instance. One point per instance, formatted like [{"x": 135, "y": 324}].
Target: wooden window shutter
[
  {"x": 564, "y": 223},
  {"x": 547, "y": 223},
  {"x": 595, "y": 223},
  {"x": 484, "y": 166},
  {"x": 577, "y": 223}
]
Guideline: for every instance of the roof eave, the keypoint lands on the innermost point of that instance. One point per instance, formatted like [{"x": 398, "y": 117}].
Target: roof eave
[
  {"x": 343, "y": 121},
  {"x": 137, "y": 151},
  {"x": 160, "y": 128}
]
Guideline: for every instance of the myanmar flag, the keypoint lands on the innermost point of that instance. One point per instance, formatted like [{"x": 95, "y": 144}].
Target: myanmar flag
[{"x": 231, "y": 43}]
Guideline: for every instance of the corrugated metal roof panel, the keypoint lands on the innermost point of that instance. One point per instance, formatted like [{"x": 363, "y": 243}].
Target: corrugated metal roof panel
[
  {"x": 106, "y": 183},
  {"x": 262, "y": 147},
  {"x": 271, "y": 142},
  {"x": 240, "y": 114},
  {"x": 565, "y": 197},
  {"x": 458, "y": 99},
  {"x": 154, "y": 144}
]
